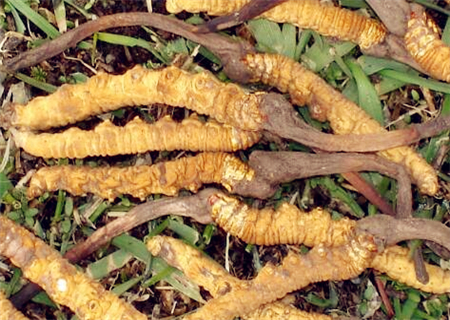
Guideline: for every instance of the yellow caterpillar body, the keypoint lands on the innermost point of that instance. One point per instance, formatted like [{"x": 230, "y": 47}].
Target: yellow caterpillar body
[
  {"x": 7, "y": 310},
  {"x": 140, "y": 181},
  {"x": 136, "y": 137},
  {"x": 62, "y": 281},
  {"x": 327, "y": 104},
  {"x": 201, "y": 92},
  {"x": 285, "y": 225},
  {"x": 395, "y": 262},
  {"x": 425, "y": 46},
  {"x": 210, "y": 275},
  {"x": 295, "y": 272},
  {"x": 328, "y": 20}
]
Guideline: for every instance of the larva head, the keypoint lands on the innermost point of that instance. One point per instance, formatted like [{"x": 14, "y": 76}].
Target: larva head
[{"x": 223, "y": 207}]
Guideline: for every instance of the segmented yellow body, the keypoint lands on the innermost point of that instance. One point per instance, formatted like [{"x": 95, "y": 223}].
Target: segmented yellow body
[
  {"x": 7, "y": 310},
  {"x": 395, "y": 262},
  {"x": 425, "y": 46},
  {"x": 62, "y": 281},
  {"x": 201, "y": 92},
  {"x": 326, "y": 19},
  {"x": 285, "y": 225},
  {"x": 140, "y": 181},
  {"x": 327, "y": 104},
  {"x": 210, "y": 275},
  {"x": 295, "y": 272},
  {"x": 136, "y": 137}
]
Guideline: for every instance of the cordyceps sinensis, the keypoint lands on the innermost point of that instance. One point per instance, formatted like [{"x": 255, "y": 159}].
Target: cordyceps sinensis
[
  {"x": 423, "y": 42},
  {"x": 167, "y": 177},
  {"x": 202, "y": 93},
  {"x": 210, "y": 275},
  {"x": 322, "y": 17},
  {"x": 136, "y": 136},
  {"x": 63, "y": 283}
]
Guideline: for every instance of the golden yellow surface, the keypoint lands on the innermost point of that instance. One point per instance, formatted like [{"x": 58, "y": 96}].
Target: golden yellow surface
[
  {"x": 327, "y": 104},
  {"x": 201, "y": 92},
  {"x": 61, "y": 281},
  {"x": 285, "y": 225},
  {"x": 7, "y": 310},
  {"x": 137, "y": 136},
  {"x": 207, "y": 273},
  {"x": 140, "y": 181},
  {"x": 425, "y": 46},
  {"x": 324, "y": 18},
  {"x": 295, "y": 272},
  {"x": 394, "y": 261}
]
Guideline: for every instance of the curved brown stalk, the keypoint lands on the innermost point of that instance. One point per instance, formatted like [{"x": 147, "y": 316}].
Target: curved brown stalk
[{"x": 283, "y": 121}]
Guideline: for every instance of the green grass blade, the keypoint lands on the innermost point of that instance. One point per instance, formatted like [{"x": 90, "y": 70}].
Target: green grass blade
[
  {"x": 35, "y": 83},
  {"x": 20, "y": 26},
  {"x": 303, "y": 38},
  {"x": 289, "y": 37},
  {"x": 356, "y": 4},
  {"x": 433, "y": 6},
  {"x": 34, "y": 17},
  {"x": 5, "y": 185},
  {"x": 124, "y": 287},
  {"x": 176, "y": 278},
  {"x": 371, "y": 65},
  {"x": 367, "y": 95},
  {"x": 129, "y": 42},
  {"x": 189, "y": 234},
  {"x": 418, "y": 80},
  {"x": 267, "y": 34},
  {"x": 101, "y": 268},
  {"x": 60, "y": 16}
]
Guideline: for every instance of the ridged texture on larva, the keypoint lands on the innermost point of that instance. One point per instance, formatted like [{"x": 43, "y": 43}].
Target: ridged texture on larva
[
  {"x": 296, "y": 271},
  {"x": 201, "y": 92},
  {"x": 327, "y": 104},
  {"x": 136, "y": 137},
  {"x": 394, "y": 261},
  {"x": 140, "y": 181},
  {"x": 326, "y": 19},
  {"x": 7, "y": 310},
  {"x": 207, "y": 273},
  {"x": 62, "y": 281},
  {"x": 281, "y": 311},
  {"x": 425, "y": 46},
  {"x": 286, "y": 225}
]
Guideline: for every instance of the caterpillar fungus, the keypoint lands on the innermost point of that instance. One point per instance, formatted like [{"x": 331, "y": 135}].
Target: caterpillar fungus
[
  {"x": 136, "y": 136},
  {"x": 326, "y": 19},
  {"x": 395, "y": 262},
  {"x": 64, "y": 284},
  {"x": 7, "y": 310},
  {"x": 140, "y": 181},
  {"x": 286, "y": 225},
  {"x": 321, "y": 263},
  {"x": 425, "y": 46},
  {"x": 202, "y": 93},
  {"x": 210, "y": 275},
  {"x": 327, "y": 104}
]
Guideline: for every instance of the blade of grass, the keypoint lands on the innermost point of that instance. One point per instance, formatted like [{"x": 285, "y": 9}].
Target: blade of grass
[
  {"x": 189, "y": 234},
  {"x": 357, "y": 4},
  {"x": 367, "y": 95},
  {"x": 35, "y": 83},
  {"x": 433, "y": 6},
  {"x": 124, "y": 287},
  {"x": 20, "y": 26},
  {"x": 414, "y": 79},
  {"x": 303, "y": 38},
  {"x": 176, "y": 278},
  {"x": 5, "y": 185},
  {"x": 101, "y": 268},
  {"x": 34, "y": 17},
  {"x": 338, "y": 193},
  {"x": 60, "y": 15},
  {"x": 129, "y": 42},
  {"x": 371, "y": 65}
]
